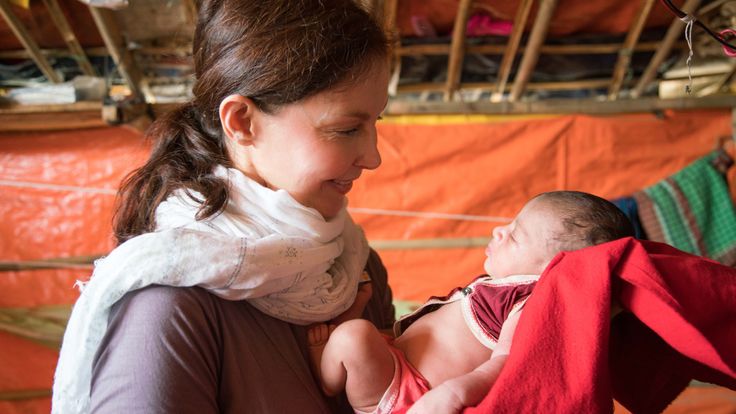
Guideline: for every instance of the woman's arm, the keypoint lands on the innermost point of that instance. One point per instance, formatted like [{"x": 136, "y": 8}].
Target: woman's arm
[{"x": 183, "y": 350}]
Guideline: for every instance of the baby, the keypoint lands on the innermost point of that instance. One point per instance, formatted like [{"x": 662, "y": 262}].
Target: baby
[{"x": 448, "y": 353}]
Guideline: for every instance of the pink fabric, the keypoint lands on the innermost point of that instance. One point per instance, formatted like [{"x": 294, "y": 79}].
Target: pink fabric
[
  {"x": 680, "y": 325},
  {"x": 406, "y": 388},
  {"x": 485, "y": 25}
]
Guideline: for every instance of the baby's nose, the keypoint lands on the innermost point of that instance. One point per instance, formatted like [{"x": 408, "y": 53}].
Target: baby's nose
[{"x": 499, "y": 232}]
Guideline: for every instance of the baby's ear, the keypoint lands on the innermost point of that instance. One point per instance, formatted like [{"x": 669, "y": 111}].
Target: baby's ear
[{"x": 236, "y": 117}]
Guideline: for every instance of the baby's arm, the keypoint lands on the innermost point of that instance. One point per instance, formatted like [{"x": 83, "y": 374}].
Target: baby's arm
[{"x": 468, "y": 390}]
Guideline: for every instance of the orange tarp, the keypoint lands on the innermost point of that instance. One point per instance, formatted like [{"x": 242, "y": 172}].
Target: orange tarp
[{"x": 449, "y": 177}]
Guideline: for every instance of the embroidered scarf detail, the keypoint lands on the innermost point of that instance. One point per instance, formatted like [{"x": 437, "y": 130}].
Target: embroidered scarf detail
[{"x": 286, "y": 259}]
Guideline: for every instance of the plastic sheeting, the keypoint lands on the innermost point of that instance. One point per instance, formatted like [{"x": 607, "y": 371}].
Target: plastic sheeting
[{"x": 442, "y": 177}]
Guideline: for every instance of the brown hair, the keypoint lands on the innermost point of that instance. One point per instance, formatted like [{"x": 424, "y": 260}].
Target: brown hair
[
  {"x": 587, "y": 219},
  {"x": 275, "y": 53}
]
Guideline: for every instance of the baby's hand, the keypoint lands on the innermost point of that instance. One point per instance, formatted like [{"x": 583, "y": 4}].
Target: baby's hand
[
  {"x": 437, "y": 400},
  {"x": 317, "y": 335},
  {"x": 355, "y": 311}
]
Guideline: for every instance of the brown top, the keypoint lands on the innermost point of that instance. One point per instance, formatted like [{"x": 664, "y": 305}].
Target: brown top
[{"x": 183, "y": 350}]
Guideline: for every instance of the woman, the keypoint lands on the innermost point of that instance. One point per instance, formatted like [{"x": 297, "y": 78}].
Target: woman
[{"x": 243, "y": 197}]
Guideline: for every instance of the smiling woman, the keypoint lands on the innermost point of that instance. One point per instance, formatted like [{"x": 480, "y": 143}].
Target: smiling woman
[
  {"x": 332, "y": 135},
  {"x": 241, "y": 212}
]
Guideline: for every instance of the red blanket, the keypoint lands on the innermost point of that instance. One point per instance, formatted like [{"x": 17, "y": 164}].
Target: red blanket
[{"x": 568, "y": 357}]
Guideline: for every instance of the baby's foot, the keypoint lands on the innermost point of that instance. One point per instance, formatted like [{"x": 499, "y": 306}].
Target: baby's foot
[{"x": 317, "y": 337}]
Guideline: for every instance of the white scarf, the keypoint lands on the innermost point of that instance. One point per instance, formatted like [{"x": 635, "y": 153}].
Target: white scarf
[{"x": 286, "y": 259}]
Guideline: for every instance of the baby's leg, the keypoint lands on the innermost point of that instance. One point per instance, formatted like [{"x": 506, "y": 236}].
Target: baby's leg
[{"x": 356, "y": 358}]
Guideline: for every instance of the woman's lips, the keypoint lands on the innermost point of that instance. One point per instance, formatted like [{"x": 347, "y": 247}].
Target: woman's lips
[{"x": 342, "y": 186}]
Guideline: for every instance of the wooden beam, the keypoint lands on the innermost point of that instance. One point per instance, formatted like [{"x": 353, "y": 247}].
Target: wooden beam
[
  {"x": 559, "y": 106},
  {"x": 113, "y": 38},
  {"x": 28, "y": 43},
  {"x": 673, "y": 32},
  {"x": 488, "y": 86},
  {"x": 457, "y": 49},
  {"x": 531, "y": 54},
  {"x": 71, "y": 40},
  {"x": 51, "y": 117},
  {"x": 593, "y": 49},
  {"x": 627, "y": 50},
  {"x": 512, "y": 48}
]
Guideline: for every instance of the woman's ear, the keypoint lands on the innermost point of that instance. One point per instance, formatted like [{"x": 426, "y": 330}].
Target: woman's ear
[{"x": 236, "y": 118}]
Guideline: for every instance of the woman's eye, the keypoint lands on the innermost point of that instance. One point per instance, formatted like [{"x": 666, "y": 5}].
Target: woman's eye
[{"x": 351, "y": 131}]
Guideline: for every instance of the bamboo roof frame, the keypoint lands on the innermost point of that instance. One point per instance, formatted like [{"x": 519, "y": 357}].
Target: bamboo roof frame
[
  {"x": 115, "y": 43},
  {"x": 69, "y": 37},
  {"x": 506, "y": 95},
  {"x": 512, "y": 47},
  {"x": 673, "y": 32},
  {"x": 624, "y": 55},
  {"x": 531, "y": 53},
  {"x": 457, "y": 49},
  {"x": 28, "y": 43}
]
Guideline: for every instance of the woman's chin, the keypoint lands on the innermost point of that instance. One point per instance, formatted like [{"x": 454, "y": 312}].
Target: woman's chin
[{"x": 331, "y": 209}]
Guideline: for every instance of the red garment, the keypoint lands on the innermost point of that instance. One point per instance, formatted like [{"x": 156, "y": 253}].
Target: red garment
[
  {"x": 681, "y": 326},
  {"x": 407, "y": 386}
]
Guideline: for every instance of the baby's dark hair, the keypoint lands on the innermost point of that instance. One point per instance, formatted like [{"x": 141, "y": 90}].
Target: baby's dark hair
[{"x": 588, "y": 220}]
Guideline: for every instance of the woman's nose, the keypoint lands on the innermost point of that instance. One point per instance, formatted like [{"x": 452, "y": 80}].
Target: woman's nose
[{"x": 370, "y": 158}]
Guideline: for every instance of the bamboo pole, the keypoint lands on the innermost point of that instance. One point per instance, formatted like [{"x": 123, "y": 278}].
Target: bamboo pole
[
  {"x": 512, "y": 48},
  {"x": 71, "y": 40},
  {"x": 115, "y": 43},
  {"x": 24, "y": 394},
  {"x": 190, "y": 9},
  {"x": 390, "y": 9},
  {"x": 28, "y": 43},
  {"x": 531, "y": 54},
  {"x": 663, "y": 50},
  {"x": 457, "y": 49},
  {"x": 80, "y": 262},
  {"x": 627, "y": 50}
]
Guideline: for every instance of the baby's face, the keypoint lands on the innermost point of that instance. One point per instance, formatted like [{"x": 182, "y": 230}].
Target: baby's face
[{"x": 526, "y": 245}]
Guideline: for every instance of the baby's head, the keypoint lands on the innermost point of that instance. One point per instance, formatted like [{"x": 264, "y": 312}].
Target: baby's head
[{"x": 551, "y": 223}]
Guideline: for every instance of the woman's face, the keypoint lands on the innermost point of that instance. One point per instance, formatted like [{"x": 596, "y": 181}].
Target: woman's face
[{"x": 315, "y": 148}]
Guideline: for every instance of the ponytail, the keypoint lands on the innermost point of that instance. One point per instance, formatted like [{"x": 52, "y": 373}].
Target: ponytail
[{"x": 183, "y": 156}]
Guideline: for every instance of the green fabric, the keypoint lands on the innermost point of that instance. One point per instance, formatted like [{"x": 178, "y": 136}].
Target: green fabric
[{"x": 707, "y": 199}]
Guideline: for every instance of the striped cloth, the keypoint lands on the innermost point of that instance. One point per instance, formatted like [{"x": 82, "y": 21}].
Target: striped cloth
[{"x": 692, "y": 210}]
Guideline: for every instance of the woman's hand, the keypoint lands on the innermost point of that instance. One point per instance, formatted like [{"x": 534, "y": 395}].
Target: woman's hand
[
  {"x": 440, "y": 399},
  {"x": 355, "y": 311}
]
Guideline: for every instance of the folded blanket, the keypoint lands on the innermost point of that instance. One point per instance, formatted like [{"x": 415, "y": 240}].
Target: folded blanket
[
  {"x": 692, "y": 210},
  {"x": 679, "y": 324}
]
